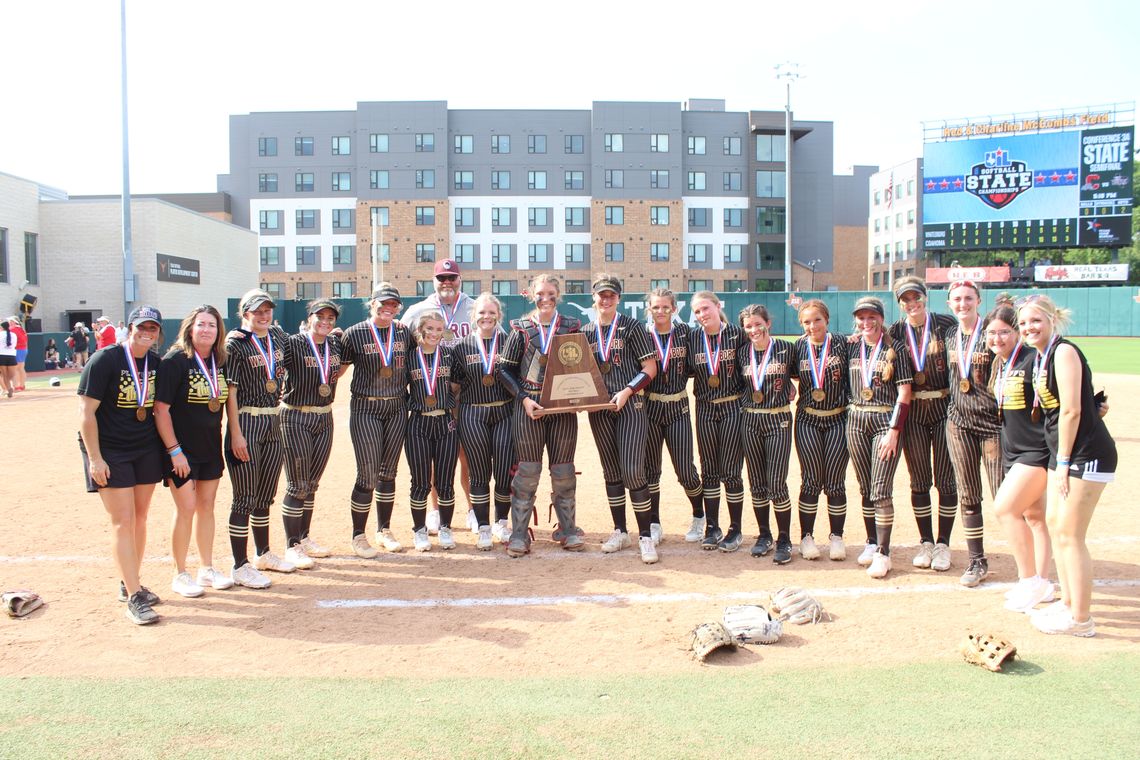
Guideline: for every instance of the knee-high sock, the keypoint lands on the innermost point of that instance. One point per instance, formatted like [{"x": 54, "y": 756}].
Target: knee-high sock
[
  {"x": 292, "y": 518},
  {"x": 385, "y": 496},
  {"x": 760, "y": 508},
  {"x": 696, "y": 500},
  {"x": 884, "y": 522},
  {"x": 239, "y": 538},
  {"x": 808, "y": 511},
  {"x": 735, "y": 501},
  {"x": 869, "y": 520},
  {"x": 615, "y": 493},
  {"x": 654, "y": 502},
  {"x": 837, "y": 514},
  {"x": 920, "y": 500},
  {"x": 307, "y": 517},
  {"x": 641, "y": 501},
  {"x": 361, "y": 505},
  {"x": 972, "y": 524},
  {"x": 259, "y": 527},
  {"x": 783, "y": 510},
  {"x": 947, "y": 511}
]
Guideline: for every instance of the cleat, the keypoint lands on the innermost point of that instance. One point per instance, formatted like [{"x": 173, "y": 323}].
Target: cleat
[
  {"x": 648, "y": 550},
  {"x": 836, "y": 550},
  {"x": 446, "y": 540},
  {"x": 808, "y": 549},
  {"x": 485, "y": 541},
  {"x": 617, "y": 541},
  {"x": 880, "y": 566},
  {"x": 295, "y": 555},
  {"x": 712, "y": 538},
  {"x": 362, "y": 548},
  {"x": 868, "y": 554},
  {"x": 432, "y": 521},
  {"x": 732, "y": 540},
  {"x": 925, "y": 555},
  {"x": 270, "y": 561},
  {"x": 975, "y": 573},
  {"x": 386, "y": 539},
  {"x": 420, "y": 540},
  {"x": 655, "y": 533},
  {"x": 762, "y": 546},
  {"x": 696, "y": 531},
  {"x": 783, "y": 553},
  {"x": 247, "y": 575},
  {"x": 313, "y": 549},
  {"x": 940, "y": 559}
]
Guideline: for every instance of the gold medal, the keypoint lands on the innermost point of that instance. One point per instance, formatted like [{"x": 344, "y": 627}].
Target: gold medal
[
  {"x": 920, "y": 378},
  {"x": 140, "y": 414},
  {"x": 214, "y": 405},
  {"x": 271, "y": 386},
  {"x": 1035, "y": 415},
  {"x": 430, "y": 401},
  {"x": 758, "y": 397},
  {"x": 714, "y": 381},
  {"x": 325, "y": 390},
  {"x": 964, "y": 386},
  {"x": 385, "y": 371},
  {"x": 542, "y": 359},
  {"x": 866, "y": 394},
  {"x": 605, "y": 367},
  {"x": 448, "y": 335},
  {"x": 818, "y": 394},
  {"x": 488, "y": 380}
]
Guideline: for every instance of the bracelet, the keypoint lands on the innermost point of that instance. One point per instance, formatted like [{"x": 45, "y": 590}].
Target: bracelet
[
  {"x": 1065, "y": 462},
  {"x": 175, "y": 451}
]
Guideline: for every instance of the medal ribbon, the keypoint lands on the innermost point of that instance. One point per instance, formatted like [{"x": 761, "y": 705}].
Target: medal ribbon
[
  {"x": 605, "y": 349},
  {"x": 817, "y": 369},
  {"x": 1003, "y": 373},
  {"x": 544, "y": 337},
  {"x": 712, "y": 361},
  {"x": 488, "y": 359},
  {"x": 966, "y": 359},
  {"x": 270, "y": 359},
  {"x": 385, "y": 356},
  {"x": 1041, "y": 368},
  {"x": 918, "y": 353},
  {"x": 663, "y": 352},
  {"x": 142, "y": 386},
  {"x": 211, "y": 380},
  {"x": 448, "y": 318},
  {"x": 430, "y": 382},
  {"x": 758, "y": 377},
  {"x": 324, "y": 368},
  {"x": 869, "y": 376}
]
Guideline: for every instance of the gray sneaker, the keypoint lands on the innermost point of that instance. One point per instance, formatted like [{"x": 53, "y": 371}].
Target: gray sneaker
[
  {"x": 139, "y": 612},
  {"x": 976, "y": 573}
]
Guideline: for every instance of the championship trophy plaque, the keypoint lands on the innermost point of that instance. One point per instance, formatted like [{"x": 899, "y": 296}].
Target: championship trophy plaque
[{"x": 573, "y": 382}]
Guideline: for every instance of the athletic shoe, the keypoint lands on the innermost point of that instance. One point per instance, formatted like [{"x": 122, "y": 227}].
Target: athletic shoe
[
  {"x": 485, "y": 541},
  {"x": 976, "y": 573},
  {"x": 1018, "y": 587},
  {"x": 183, "y": 584},
  {"x": 880, "y": 566},
  {"x": 432, "y": 521},
  {"x": 446, "y": 541},
  {"x": 270, "y": 561},
  {"x": 362, "y": 548},
  {"x": 518, "y": 547},
  {"x": 151, "y": 597},
  {"x": 1056, "y": 608},
  {"x": 762, "y": 546},
  {"x": 940, "y": 559},
  {"x": 313, "y": 549},
  {"x": 1031, "y": 592},
  {"x": 248, "y": 576},
  {"x": 139, "y": 612},
  {"x": 648, "y": 550},
  {"x": 1053, "y": 624},
  {"x": 836, "y": 549},
  {"x": 573, "y": 542},
  {"x": 924, "y": 556},
  {"x": 387, "y": 540},
  {"x": 808, "y": 549},
  {"x": 208, "y": 576},
  {"x": 732, "y": 540},
  {"x": 712, "y": 537},
  {"x": 420, "y": 540},
  {"x": 501, "y": 531},
  {"x": 783, "y": 553},
  {"x": 295, "y": 556},
  {"x": 616, "y": 542},
  {"x": 696, "y": 531},
  {"x": 655, "y": 533},
  {"x": 123, "y": 595},
  {"x": 472, "y": 521},
  {"x": 868, "y": 554}
]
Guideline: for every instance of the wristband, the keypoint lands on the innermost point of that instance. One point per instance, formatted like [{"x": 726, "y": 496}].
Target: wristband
[
  {"x": 1065, "y": 462},
  {"x": 898, "y": 418},
  {"x": 175, "y": 451},
  {"x": 639, "y": 382},
  {"x": 172, "y": 448}
]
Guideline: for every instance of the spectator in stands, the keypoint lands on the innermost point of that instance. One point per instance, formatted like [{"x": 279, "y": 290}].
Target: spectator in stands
[
  {"x": 51, "y": 355},
  {"x": 104, "y": 333}
]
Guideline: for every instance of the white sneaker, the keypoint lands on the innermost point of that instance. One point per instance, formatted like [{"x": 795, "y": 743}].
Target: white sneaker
[
  {"x": 446, "y": 541},
  {"x": 1065, "y": 624},
  {"x": 295, "y": 555},
  {"x": 924, "y": 556},
  {"x": 248, "y": 576},
  {"x": 420, "y": 540},
  {"x": 501, "y": 531},
  {"x": 655, "y": 533},
  {"x": 940, "y": 559},
  {"x": 1018, "y": 588},
  {"x": 183, "y": 584},
  {"x": 868, "y": 554},
  {"x": 313, "y": 549},
  {"x": 616, "y": 542},
  {"x": 1055, "y": 609},
  {"x": 880, "y": 566},
  {"x": 387, "y": 540},
  {"x": 648, "y": 549},
  {"x": 362, "y": 548},
  {"x": 208, "y": 576},
  {"x": 485, "y": 542},
  {"x": 808, "y": 549},
  {"x": 472, "y": 521},
  {"x": 836, "y": 549},
  {"x": 432, "y": 521},
  {"x": 1031, "y": 592},
  {"x": 696, "y": 531},
  {"x": 270, "y": 561}
]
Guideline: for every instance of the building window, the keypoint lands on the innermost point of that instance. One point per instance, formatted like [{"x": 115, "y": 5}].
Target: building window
[
  {"x": 344, "y": 289},
  {"x": 538, "y": 216},
  {"x": 574, "y": 180},
  {"x": 658, "y": 251},
  {"x": 378, "y": 179},
  {"x": 472, "y": 287},
  {"x": 886, "y": 222},
  {"x": 695, "y": 285},
  {"x": 575, "y": 144},
  {"x": 500, "y": 143},
  {"x": 615, "y": 178},
  {"x": 342, "y": 219},
  {"x": 425, "y": 216},
  {"x": 267, "y": 183},
  {"x": 342, "y": 254},
  {"x": 770, "y": 256},
  {"x": 731, "y": 146},
  {"x": 575, "y": 253},
  {"x": 575, "y": 287},
  {"x": 341, "y": 146},
  {"x": 876, "y": 197},
  {"x": 699, "y": 253},
  {"x": 910, "y": 187},
  {"x": 377, "y": 143},
  {"x": 424, "y": 288},
  {"x": 614, "y": 142},
  {"x": 500, "y": 180},
  {"x": 733, "y": 217},
  {"x": 464, "y": 180},
  {"x": 276, "y": 290},
  {"x": 385, "y": 253},
  {"x": 341, "y": 181},
  {"x": 306, "y": 255},
  {"x": 733, "y": 253},
  {"x": 910, "y": 249},
  {"x": 425, "y": 142},
  {"x": 698, "y": 217},
  {"x": 898, "y": 250},
  {"x": 303, "y": 182},
  {"x": 770, "y": 184},
  {"x": 898, "y": 220},
  {"x": 696, "y": 180},
  {"x": 464, "y": 217},
  {"x": 267, "y": 146},
  {"x": 910, "y": 216},
  {"x": 306, "y": 219},
  {"x": 878, "y": 255},
  {"x": 615, "y": 215},
  {"x": 770, "y": 148},
  {"x": 425, "y": 252},
  {"x": 501, "y": 217},
  {"x": 659, "y": 143},
  {"x": 425, "y": 179},
  {"x": 302, "y": 146},
  {"x": 696, "y": 146},
  {"x": 504, "y": 287},
  {"x": 307, "y": 291},
  {"x": 733, "y": 286},
  {"x": 878, "y": 225},
  {"x": 270, "y": 255},
  {"x": 539, "y": 253},
  {"x": 659, "y": 178},
  {"x": 536, "y": 180},
  {"x": 658, "y": 214},
  {"x": 875, "y": 279},
  {"x": 898, "y": 190},
  {"x": 733, "y": 181},
  {"x": 378, "y": 216},
  {"x": 269, "y": 220},
  {"x": 615, "y": 251},
  {"x": 575, "y": 216},
  {"x": 771, "y": 220},
  {"x": 655, "y": 284},
  {"x": 465, "y": 253},
  {"x": 501, "y": 254},
  {"x": 536, "y": 143},
  {"x": 464, "y": 144}
]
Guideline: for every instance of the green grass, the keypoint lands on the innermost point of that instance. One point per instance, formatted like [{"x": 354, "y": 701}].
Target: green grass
[
  {"x": 1050, "y": 707},
  {"x": 1120, "y": 356}
]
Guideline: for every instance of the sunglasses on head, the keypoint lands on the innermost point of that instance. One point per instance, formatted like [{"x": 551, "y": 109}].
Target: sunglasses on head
[
  {"x": 1024, "y": 300},
  {"x": 447, "y": 277}
]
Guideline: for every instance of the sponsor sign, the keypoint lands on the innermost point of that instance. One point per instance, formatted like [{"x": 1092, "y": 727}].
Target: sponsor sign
[
  {"x": 936, "y": 276},
  {"x": 1081, "y": 273},
  {"x": 175, "y": 269}
]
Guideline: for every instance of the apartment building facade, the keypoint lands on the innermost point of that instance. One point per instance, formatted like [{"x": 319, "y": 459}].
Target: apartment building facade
[{"x": 894, "y": 228}]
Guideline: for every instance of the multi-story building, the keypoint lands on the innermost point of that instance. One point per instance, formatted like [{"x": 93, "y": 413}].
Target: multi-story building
[
  {"x": 894, "y": 228},
  {"x": 660, "y": 194}
]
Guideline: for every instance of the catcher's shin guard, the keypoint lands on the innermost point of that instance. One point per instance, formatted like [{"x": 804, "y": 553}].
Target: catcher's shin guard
[
  {"x": 564, "y": 483},
  {"x": 523, "y": 488}
]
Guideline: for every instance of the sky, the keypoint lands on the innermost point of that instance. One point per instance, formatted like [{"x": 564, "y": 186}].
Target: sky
[{"x": 878, "y": 70}]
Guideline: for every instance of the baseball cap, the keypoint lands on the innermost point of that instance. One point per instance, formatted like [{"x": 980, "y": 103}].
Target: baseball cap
[
  {"x": 386, "y": 291},
  {"x": 606, "y": 283},
  {"x": 445, "y": 267},
  {"x": 323, "y": 303},
  {"x": 869, "y": 303},
  {"x": 909, "y": 285},
  {"x": 254, "y": 299},
  {"x": 145, "y": 314},
  {"x": 102, "y": 319}
]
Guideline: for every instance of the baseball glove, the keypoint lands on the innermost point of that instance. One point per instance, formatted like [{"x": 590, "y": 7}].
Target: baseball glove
[
  {"x": 751, "y": 624},
  {"x": 797, "y": 606},
  {"x": 20, "y": 603},
  {"x": 987, "y": 650},
  {"x": 708, "y": 637}
]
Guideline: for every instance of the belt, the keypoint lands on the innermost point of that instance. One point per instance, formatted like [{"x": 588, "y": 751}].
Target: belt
[
  {"x": 884, "y": 409},
  {"x": 308, "y": 409},
  {"x": 824, "y": 412},
  {"x": 434, "y": 413},
  {"x": 492, "y": 403},
  {"x": 667, "y": 397},
  {"x": 259, "y": 410},
  {"x": 774, "y": 410},
  {"x": 725, "y": 400},
  {"x": 932, "y": 394},
  {"x": 378, "y": 398}
]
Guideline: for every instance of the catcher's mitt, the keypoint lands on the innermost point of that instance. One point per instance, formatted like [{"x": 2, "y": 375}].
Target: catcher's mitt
[
  {"x": 20, "y": 603},
  {"x": 987, "y": 650},
  {"x": 708, "y": 637},
  {"x": 751, "y": 624},
  {"x": 797, "y": 606}
]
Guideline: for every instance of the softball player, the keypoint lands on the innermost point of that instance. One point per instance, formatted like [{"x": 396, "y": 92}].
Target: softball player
[
  {"x": 972, "y": 428},
  {"x": 627, "y": 363},
  {"x": 821, "y": 430},
  {"x": 378, "y": 350},
  {"x": 879, "y": 379},
  {"x": 522, "y": 371},
  {"x": 713, "y": 349},
  {"x": 924, "y": 439},
  {"x": 765, "y": 368},
  {"x": 485, "y": 414},
  {"x": 256, "y": 358},
  {"x": 667, "y": 410},
  {"x": 312, "y": 368}
]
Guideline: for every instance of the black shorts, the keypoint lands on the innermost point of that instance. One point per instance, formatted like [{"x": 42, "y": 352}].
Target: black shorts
[
  {"x": 7, "y": 361},
  {"x": 1094, "y": 471},
  {"x": 1028, "y": 458},
  {"x": 198, "y": 471},
  {"x": 128, "y": 468}
]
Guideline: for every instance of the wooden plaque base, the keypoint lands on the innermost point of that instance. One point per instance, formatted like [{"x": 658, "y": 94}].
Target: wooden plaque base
[{"x": 573, "y": 382}]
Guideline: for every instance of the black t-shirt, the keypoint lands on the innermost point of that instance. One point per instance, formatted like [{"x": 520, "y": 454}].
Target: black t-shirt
[
  {"x": 182, "y": 385},
  {"x": 1022, "y": 439},
  {"x": 79, "y": 338},
  {"x": 108, "y": 378},
  {"x": 1092, "y": 441}
]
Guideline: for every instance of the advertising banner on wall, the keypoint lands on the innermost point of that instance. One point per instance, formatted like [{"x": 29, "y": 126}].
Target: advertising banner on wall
[
  {"x": 178, "y": 269},
  {"x": 1081, "y": 273},
  {"x": 939, "y": 276}
]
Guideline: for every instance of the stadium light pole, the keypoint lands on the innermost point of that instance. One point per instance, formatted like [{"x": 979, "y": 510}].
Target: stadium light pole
[
  {"x": 128, "y": 260},
  {"x": 788, "y": 71}
]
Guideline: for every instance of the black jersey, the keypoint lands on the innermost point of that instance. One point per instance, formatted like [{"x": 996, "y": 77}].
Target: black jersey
[
  {"x": 936, "y": 368},
  {"x": 523, "y": 353},
  {"x": 672, "y": 377},
  {"x": 776, "y": 390},
  {"x": 107, "y": 377},
  {"x": 884, "y": 390},
  {"x": 258, "y": 383},
  {"x": 420, "y": 380},
  {"x": 303, "y": 371},
  {"x": 631, "y": 345},
  {"x": 370, "y": 372},
  {"x": 468, "y": 372},
  {"x": 834, "y": 378},
  {"x": 183, "y": 385},
  {"x": 1022, "y": 439},
  {"x": 975, "y": 408},
  {"x": 1092, "y": 441},
  {"x": 727, "y": 382}
]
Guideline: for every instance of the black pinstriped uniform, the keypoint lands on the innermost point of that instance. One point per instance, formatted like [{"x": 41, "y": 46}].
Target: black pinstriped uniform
[
  {"x": 616, "y": 434},
  {"x": 924, "y": 436},
  {"x": 432, "y": 442},
  {"x": 670, "y": 421},
  {"x": 485, "y": 430},
  {"x": 1094, "y": 450},
  {"x": 254, "y": 482},
  {"x": 1022, "y": 439},
  {"x": 307, "y": 435},
  {"x": 767, "y": 437},
  {"x": 821, "y": 441},
  {"x": 377, "y": 420}
]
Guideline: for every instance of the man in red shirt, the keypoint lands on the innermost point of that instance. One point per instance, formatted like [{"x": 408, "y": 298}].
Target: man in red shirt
[
  {"x": 21, "y": 337},
  {"x": 104, "y": 333}
]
